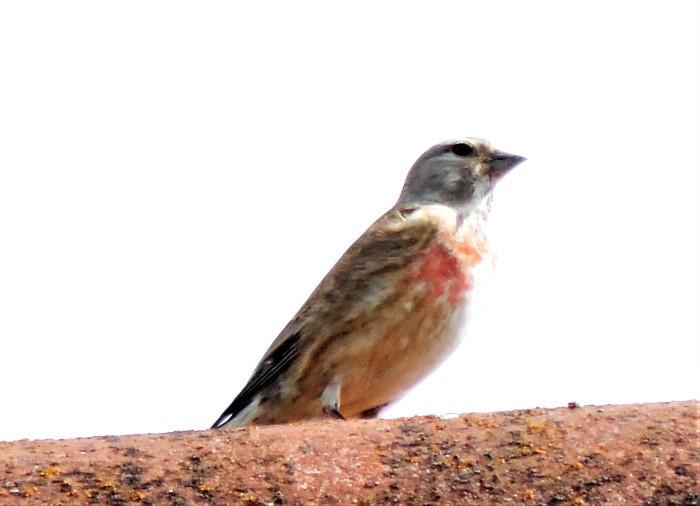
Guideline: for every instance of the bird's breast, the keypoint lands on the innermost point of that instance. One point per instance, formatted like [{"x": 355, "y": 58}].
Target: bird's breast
[
  {"x": 445, "y": 269},
  {"x": 420, "y": 325}
]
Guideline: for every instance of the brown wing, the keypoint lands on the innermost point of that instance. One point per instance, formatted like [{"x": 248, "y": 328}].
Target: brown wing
[{"x": 373, "y": 261}]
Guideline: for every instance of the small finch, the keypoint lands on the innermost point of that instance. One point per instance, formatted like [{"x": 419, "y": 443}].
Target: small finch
[{"x": 394, "y": 305}]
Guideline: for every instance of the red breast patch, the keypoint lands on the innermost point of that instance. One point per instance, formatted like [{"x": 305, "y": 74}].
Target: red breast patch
[{"x": 447, "y": 272}]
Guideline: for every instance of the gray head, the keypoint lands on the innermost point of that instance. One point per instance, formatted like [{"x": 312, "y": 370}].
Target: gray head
[{"x": 458, "y": 173}]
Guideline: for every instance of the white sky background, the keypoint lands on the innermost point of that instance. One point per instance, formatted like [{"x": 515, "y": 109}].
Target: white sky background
[{"x": 176, "y": 178}]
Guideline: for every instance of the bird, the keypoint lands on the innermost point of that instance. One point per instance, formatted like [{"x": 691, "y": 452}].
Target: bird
[{"x": 394, "y": 305}]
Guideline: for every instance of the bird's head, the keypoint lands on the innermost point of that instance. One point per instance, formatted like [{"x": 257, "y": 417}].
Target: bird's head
[{"x": 458, "y": 173}]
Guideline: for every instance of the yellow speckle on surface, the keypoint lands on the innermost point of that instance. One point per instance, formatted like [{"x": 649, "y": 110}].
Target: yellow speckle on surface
[
  {"x": 463, "y": 463},
  {"x": 51, "y": 472},
  {"x": 528, "y": 495},
  {"x": 246, "y": 497},
  {"x": 577, "y": 465},
  {"x": 28, "y": 491},
  {"x": 137, "y": 496}
]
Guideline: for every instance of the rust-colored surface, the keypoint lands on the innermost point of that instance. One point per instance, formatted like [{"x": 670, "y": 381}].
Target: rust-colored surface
[{"x": 637, "y": 454}]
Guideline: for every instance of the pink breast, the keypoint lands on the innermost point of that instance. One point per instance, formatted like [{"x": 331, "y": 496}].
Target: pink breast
[{"x": 447, "y": 272}]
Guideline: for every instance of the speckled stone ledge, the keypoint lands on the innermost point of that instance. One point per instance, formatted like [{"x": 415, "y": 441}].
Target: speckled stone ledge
[{"x": 637, "y": 454}]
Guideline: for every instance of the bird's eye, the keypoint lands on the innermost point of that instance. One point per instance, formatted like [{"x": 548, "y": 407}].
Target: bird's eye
[{"x": 462, "y": 149}]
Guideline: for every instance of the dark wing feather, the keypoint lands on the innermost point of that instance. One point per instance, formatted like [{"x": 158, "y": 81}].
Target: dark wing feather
[{"x": 269, "y": 369}]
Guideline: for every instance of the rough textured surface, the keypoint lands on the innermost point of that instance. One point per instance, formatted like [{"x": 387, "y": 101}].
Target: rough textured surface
[{"x": 636, "y": 454}]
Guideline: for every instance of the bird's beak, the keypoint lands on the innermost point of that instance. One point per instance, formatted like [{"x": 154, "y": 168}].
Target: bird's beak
[{"x": 500, "y": 163}]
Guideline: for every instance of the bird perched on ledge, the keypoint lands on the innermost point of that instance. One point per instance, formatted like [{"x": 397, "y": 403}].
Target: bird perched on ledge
[{"x": 393, "y": 306}]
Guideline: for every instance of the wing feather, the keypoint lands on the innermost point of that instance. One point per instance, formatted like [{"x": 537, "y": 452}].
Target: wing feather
[{"x": 269, "y": 369}]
